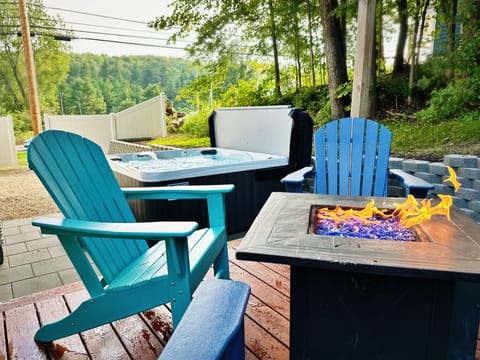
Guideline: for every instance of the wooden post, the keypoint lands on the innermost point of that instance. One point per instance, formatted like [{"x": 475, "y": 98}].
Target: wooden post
[
  {"x": 363, "y": 75},
  {"x": 30, "y": 69}
]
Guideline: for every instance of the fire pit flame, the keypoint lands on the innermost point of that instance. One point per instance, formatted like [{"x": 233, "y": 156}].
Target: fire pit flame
[
  {"x": 453, "y": 179},
  {"x": 371, "y": 222}
]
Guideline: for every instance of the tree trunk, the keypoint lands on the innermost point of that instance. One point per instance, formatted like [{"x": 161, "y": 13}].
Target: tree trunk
[
  {"x": 422, "y": 27},
  {"x": 380, "y": 51},
  {"x": 276, "y": 66},
  {"x": 402, "y": 37},
  {"x": 299, "y": 67},
  {"x": 450, "y": 21},
  {"x": 311, "y": 46},
  {"x": 334, "y": 40},
  {"x": 298, "y": 60},
  {"x": 413, "y": 52}
]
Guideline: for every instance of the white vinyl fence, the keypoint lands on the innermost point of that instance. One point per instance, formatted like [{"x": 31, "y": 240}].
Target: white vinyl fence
[
  {"x": 97, "y": 128},
  {"x": 142, "y": 121},
  {"x": 8, "y": 152},
  {"x": 145, "y": 120}
]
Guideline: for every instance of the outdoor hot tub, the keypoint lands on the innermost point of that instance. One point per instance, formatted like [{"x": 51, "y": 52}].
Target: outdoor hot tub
[
  {"x": 190, "y": 163},
  {"x": 251, "y": 147}
]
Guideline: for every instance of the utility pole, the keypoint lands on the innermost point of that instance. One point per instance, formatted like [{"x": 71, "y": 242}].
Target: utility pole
[{"x": 30, "y": 68}]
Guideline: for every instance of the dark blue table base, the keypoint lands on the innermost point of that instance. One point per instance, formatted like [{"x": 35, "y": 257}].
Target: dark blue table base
[{"x": 346, "y": 315}]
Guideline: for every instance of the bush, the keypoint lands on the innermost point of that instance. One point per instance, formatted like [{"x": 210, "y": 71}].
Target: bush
[
  {"x": 196, "y": 124},
  {"x": 22, "y": 126},
  {"x": 454, "y": 101},
  {"x": 392, "y": 91}
]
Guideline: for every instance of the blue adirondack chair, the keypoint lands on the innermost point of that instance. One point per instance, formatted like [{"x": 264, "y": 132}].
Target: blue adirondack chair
[
  {"x": 214, "y": 320},
  {"x": 133, "y": 277},
  {"x": 351, "y": 158}
]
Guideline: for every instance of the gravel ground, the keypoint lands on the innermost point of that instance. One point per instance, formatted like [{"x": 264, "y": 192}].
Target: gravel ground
[{"x": 22, "y": 195}]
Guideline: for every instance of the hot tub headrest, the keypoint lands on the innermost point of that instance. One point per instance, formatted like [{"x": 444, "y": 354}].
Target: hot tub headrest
[{"x": 279, "y": 130}]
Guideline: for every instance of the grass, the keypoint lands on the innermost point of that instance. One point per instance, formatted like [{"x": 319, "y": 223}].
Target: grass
[
  {"x": 428, "y": 141},
  {"x": 182, "y": 141},
  {"x": 22, "y": 158}
]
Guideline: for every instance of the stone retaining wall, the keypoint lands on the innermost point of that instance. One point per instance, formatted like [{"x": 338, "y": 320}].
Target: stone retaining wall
[{"x": 467, "y": 167}]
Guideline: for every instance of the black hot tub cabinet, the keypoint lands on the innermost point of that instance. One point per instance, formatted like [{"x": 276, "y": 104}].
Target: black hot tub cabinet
[
  {"x": 357, "y": 298},
  {"x": 283, "y": 132}
]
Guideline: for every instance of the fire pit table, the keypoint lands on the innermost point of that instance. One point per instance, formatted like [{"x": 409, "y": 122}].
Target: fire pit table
[{"x": 355, "y": 298}]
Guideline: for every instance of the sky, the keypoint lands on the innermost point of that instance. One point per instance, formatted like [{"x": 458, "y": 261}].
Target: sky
[{"x": 115, "y": 21}]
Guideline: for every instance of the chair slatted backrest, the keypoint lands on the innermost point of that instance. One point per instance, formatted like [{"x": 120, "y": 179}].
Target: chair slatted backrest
[
  {"x": 75, "y": 172},
  {"x": 353, "y": 154}
]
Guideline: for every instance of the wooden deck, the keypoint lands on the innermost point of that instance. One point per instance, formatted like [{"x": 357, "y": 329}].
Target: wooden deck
[{"x": 143, "y": 336}]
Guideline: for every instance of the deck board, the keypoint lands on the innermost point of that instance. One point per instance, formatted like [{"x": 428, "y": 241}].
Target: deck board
[
  {"x": 143, "y": 336},
  {"x": 55, "y": 308}
]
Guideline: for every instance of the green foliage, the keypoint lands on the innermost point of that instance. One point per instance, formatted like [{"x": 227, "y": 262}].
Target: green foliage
[
  {"x": 431, "y": 74},
  {"x": 245, "y": 93},
  {"x": 231, "y": 31},
  {"x": 196, "y": 124},
  {"x": 120, "y": 82},
  {"x": 456, "y": 95},
  {"x": 314, "y": 101},
  {"x": 456, "y": 100},
  {"x": 392, "y": 91},
  {"x": 238, "y": 84},
  {"x": 22, "y": 125},
  {"x": 51, "y": 62},
  {"x": 81, "y": 96}
]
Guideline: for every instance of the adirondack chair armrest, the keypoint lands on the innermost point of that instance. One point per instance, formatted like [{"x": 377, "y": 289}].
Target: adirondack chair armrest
[
  {"x": 213, "y": 326},
  {"x": 294, "y": 181},
  {"x": 141, "y": 230},
  {"x": 412, "y": 184},
  {"x": 176, "y": 192}
]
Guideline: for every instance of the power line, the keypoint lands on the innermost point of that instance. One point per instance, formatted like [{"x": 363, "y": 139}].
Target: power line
[
  {"x": 86, "y": 13},
  {"x": 129, "y": 43},
  {"x": 95, "y": 32},
  {"x": 104, "y": 26},
  {"x": 68, "y": 38},
  {"x": 74, "y": 37},
  {"x": 101, "y": 26},
  {"x": 101, "y": 33},
  {"x": 97, "y": 15}
]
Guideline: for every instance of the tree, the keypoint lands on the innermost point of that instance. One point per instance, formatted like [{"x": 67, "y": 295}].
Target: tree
[
  {"x": 419, "y": 12},
  {"x": 311, "y": 46},
  {"x": 448, "y": 9},
  {"x": 276, "y": 65},
  {"x": 83, "y": 97},
  {"x": 50, "y": 59},
  {"x": 226, "y": 30},
  {"x": 398, "y": 63},
  {"x": 335, "y": 53},
  {"x": 124, "y": 81}
]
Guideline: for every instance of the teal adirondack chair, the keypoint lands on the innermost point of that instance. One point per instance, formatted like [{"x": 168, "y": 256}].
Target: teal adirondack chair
[
  {"x": 351, "y": 158},
  {"x": 97, "y": 220}
]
